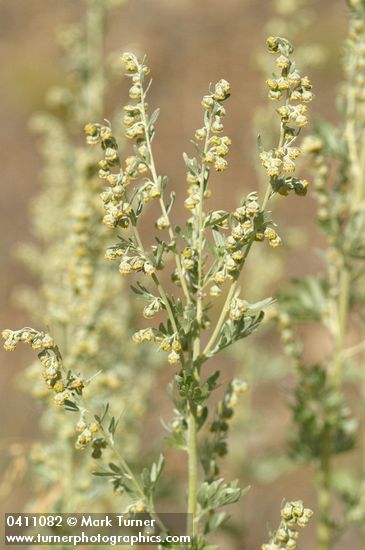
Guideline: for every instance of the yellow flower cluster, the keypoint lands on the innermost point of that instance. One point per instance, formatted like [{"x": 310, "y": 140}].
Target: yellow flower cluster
[
  {"x": 215, "y": 147},
  {"x": 295, "y": 90},
  {"x": 167, "y": 343},
  {"x": 293, "y": 514},
  {"x": 88, "y": 434},
  {"x": 246, "y": 224},
  {"x": 64, "y": 385}
]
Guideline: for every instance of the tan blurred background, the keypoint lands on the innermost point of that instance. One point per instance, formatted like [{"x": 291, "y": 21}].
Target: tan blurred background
[{"x": 189, "y": 44}]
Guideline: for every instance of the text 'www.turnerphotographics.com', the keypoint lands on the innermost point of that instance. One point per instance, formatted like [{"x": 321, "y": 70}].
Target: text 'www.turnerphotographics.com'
[{"x": 98, "y": 529}]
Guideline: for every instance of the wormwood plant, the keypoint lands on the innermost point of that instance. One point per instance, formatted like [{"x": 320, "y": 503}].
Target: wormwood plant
[
  {"x": 76, "y": 284},
  {"x": 209, "y": 255},
  {"x": 324, "y": 425}
]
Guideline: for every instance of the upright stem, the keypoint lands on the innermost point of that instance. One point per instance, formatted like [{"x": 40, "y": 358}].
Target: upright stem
[
  {"x": 324, "y": 475},
  {"x": 192, "y": 471},
  {"x": 335, "y": 372},
  {"x": 324, "y": 498},
  {"x": 355, "y": 137},
  {"x": 192, "y": 428},
  {"x": 355, "y": 148}
]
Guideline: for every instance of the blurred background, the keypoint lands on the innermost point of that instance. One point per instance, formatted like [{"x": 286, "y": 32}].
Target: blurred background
[{"x": 189, "y": 44}]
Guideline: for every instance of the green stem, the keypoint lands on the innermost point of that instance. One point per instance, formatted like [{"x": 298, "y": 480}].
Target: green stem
[
  {"x": 324, "y": 497},
  {"x": 193, "y": 468},
  {"x": 166, "y": 302},
  {"x": 192, "y": 428},
  {"x": 150, "y": 507},
  {"x": 335, "y": 372},
  {"x": 221, "y": 319},
  {"x": 128, "y": 471}
]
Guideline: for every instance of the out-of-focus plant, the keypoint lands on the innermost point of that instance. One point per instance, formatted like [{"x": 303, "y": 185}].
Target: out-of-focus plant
[
  {"x": 80, "y": 298},
  {"x": 324, "y": 424},
  {"x": 209, "y": 254},
  {"x": 264, "y": 364}
]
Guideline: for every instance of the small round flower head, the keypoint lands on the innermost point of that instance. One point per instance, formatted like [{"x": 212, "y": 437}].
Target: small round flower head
[
  {"x": 148, "y": 268},
  {"x": 239, "y": 386},
  {"x": 11, "y": 340},
  {"x": 208, "y": 102},
  {"x": 201, "y": 133},
  {"x": 191, "y": 202},
  {"x": 165, "y": 344},
  {"x": 173, "y": 357},
  {"x": 155, "y": 192},
  {"x": 215, "y": 290},
  {"x": 81, "y": 425},
  {"x": 135, "y": 91},
  {"x": 6, "y": 334},
  {"x": 58, "y": 387},
  {"x": 137, "y": 337},
  {"x": 176, "y": 345},
  {"x": 130, "y": 62},
  {"x": 26, "y": 337},
  {"x": 137, "y": 263},
  {"x": 222, "y": 150},
  {"x": 270, "y": 233},
  {"x": 192, "y": 178},
  {"x": 277, "y": 44},
  {"x": 220, "y": 164},
  {"x": 47, "y": 341},
  {"x": 125, "y": 267},
  {"x": 51, "y": 373},
  {"x": 217, "y": 126},
  {"x": 275, "y": 243},
  {"x": 94, "y": 427},
  {"x": 288, "y": 164},
  {"x": 60, "y": 398},
  {"x": 221, "y": 90},
  {"x": 162, "y": 222}
]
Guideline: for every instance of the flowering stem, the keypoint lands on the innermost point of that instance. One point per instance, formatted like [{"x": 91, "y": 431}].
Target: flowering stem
[
  {"x": 232, "y": 290},
  {"x": 192, "y": 429},
  {"x": 192, "y": 471},
  {"x": 183, "y": 330}
]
